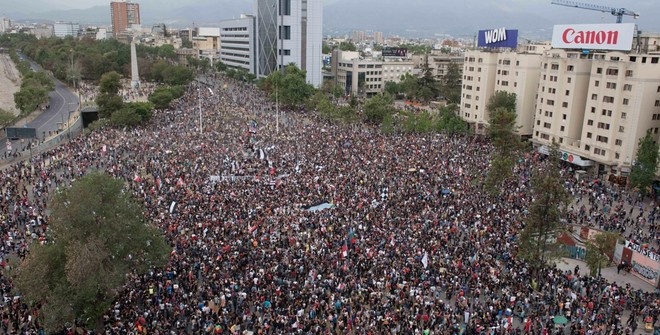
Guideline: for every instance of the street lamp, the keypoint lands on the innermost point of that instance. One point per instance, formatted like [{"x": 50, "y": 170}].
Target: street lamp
[{"x": 199, "y": 102}]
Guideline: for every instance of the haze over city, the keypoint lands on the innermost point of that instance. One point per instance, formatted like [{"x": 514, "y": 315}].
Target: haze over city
[{"x": 417, "y": 18}]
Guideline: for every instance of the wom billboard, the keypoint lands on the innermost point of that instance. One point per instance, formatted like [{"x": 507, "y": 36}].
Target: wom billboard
[
  {"x": 618, "y": 36},
  {"x": 498, "y": 38}
]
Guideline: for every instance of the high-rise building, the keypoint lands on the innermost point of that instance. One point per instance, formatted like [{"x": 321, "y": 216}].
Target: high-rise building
[
  {"x": 124, "y": 14},
  {"x": 63, "y": 29},
  {"x": 237, "y": 43},
  {"x": 378, "y": 37},
  {"x": 289, "y": 31},
  {"x": 5, "y": 25}
]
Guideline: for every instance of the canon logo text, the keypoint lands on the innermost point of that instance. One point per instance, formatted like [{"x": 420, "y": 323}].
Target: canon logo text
[{"x": 571, "y": 36}]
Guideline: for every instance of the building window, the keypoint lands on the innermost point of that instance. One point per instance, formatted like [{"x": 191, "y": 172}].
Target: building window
[
  {"x": 588, "y": 135},
  {"x": 594, "y": 96},
  {"x": 618, "y": 142},
  {"x": 285, "y": 32},
  {"x": 547, "y": 125},
  {"x": 587, "y": 147},
  {"x": 569, "y": 68},
  {"x": 612, "y": 72},
  {"x": 611, "y": 85},
  {"x": 629, "y": 73},
  {"x": 611, "y": 100},
  {"x": 627, "y": 87},
  {"x": 626, "y": 101},
  {"x": 657, "y": 103},
  {"x": 568, "y": 80},
  {"x": 623, "y": 115},
  {"x": 564, "y": 104},
  {"x": 561, "y": 128},
  {"x": 287, "y": 52},
  {"x": 285, "y": 7},
  {"x": 622, "y": 129},
  {"x": 596, "y": 83},
  {"x": 599, "y": 70},
  {"x": 602, "y": 139},
  {"x": 590, "y": 122}
]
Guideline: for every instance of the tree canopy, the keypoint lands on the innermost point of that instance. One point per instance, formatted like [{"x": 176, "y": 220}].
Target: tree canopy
[
  {"x": 538, "y": 239},
  {"x": 502, "y": 132},
  {"x": 98, "y": 235},
  {"x": 290, "y": 88},
  {"x": 643, "y": 170}
]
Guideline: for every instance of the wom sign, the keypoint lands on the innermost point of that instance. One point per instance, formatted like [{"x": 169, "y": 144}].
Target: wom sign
[
  {"x": 498, "y": 38},
  {"x": 594, "y": 36}
]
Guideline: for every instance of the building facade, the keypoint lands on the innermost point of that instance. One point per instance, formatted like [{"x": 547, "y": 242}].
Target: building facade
[
  {"x": 124, "y": 15},
  {"x": 488, "y": 71},
  {"x": 5, "y": 25},
  {"x": 597, "y": 106},
  {"x": 207, "y": 43},
  {"x": 238, "y": 43},
  {"x": 63, "y": 29},
  {"x": 366, "y": 76},
  {"x": 289, "y": 31}
]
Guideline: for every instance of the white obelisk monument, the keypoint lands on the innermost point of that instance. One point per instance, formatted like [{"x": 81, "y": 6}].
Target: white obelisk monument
[{"x": 135, "y": 76}]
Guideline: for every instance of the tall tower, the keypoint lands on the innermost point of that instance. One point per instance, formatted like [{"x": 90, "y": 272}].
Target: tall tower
[
  {"x": 289, "y": 31},
  {"x": 135, "y": 76},
  {"x": 124, "y": 14}
]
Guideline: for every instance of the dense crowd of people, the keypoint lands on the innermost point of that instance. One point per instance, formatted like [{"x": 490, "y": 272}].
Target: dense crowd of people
[{"x": 324, "y": 229}]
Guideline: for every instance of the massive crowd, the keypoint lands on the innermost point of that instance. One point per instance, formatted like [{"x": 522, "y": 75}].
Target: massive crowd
[{"x": 409, "y": 244}]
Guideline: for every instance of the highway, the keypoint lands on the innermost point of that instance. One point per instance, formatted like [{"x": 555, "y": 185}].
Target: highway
[{"x": 62, "y": 102}]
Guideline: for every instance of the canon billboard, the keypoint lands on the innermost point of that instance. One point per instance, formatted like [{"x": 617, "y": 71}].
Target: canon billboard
[{"x": 618, "y": 36}]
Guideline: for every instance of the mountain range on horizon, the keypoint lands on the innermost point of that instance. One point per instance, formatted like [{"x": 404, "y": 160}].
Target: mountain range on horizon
[{"x": 422, "y": 18}]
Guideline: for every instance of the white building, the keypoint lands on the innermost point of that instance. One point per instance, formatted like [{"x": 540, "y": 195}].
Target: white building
[
  {"x": 5, "y": 25},
  {"x": 366, "y": 76},
  {"x": 238, "y": 43},
  {"x": 207, "y": 43},
  {"x": 63, "y": 29},
  {"x": 290, "y": 31}
]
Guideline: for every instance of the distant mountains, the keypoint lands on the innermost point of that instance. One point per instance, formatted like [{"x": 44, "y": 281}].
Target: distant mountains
[{"x": 420, "y": 18}]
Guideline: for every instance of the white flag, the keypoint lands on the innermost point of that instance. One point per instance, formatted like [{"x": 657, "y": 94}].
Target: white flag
[{"x": 425, "y": 260}]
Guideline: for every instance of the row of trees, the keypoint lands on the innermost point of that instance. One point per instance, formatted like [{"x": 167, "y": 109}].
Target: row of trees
[
  {"x": 427, "y": 87},
  {"x": 35, "y": 86},
  {"x": 112, "y": 106}
]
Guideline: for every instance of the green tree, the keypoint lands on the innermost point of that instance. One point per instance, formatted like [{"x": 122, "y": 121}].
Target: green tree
[
  {"x": 161, "y": 97},
  {"x": 377, "y": 108},
  {"x": 325, "y": 48},
  {"x": 110, "y": 83},
  {"x": 6, "y": 118},
  {"x": 598, "y": 248},
  {"x": 502, "y": 132},
  {"x": 643, "y": 170},
  {"x": 108, "y": 104},
  {"x": 409, "y": 86},
  {"x": 97, "y": 235},
  {"x": 290, "y": 88},
  {"x": 427, "y": 87},
  {"x": 166, "y": 51},
  {"x": 538, "y": 239},
  {"x": 126, "y": 116},
  {"x": 347, "y": 46},
  {"x": 451, "y": 84},
  {"x": 220, "y": 66},
  {"x": 29, "y": 97},
  {"x": 392, "y": 88}
]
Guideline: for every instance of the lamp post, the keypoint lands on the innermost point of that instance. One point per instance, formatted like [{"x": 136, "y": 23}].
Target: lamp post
[{"x": 199, "y": 102}]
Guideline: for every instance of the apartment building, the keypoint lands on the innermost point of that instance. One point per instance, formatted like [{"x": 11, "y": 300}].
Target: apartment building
[
  {"x": 124, "y": 14},
  {"x": 597, "y": 106},
  {"x": 238, "y": 43},
  {"x": 439, "y": 62},
  {"x": 490, "y": 70},
  {"x": 366, "y": 76},
  {"x": 207, "y": 43}
]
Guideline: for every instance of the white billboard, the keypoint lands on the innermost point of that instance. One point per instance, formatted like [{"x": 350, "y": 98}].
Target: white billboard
[{"x": 615, "y": 36}]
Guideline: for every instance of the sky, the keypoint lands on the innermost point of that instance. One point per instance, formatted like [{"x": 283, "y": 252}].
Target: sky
[{"x": 534, "y": 17}]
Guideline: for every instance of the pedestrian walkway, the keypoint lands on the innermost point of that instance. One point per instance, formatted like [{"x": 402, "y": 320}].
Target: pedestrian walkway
[{"x": 609, "y": 273}]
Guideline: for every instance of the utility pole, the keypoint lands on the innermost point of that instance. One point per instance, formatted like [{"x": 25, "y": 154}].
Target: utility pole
[{"x": 199, "y": 103}]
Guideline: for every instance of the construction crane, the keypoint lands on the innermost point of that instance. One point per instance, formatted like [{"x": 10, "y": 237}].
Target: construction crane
[{"x": 618, "y": 12}]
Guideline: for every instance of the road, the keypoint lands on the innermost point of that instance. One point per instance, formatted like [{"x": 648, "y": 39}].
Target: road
[{"x": 62, "y": 102}]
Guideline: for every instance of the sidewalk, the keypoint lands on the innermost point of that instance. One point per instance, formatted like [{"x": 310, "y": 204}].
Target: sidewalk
[{"x": 608, "y": 273}]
